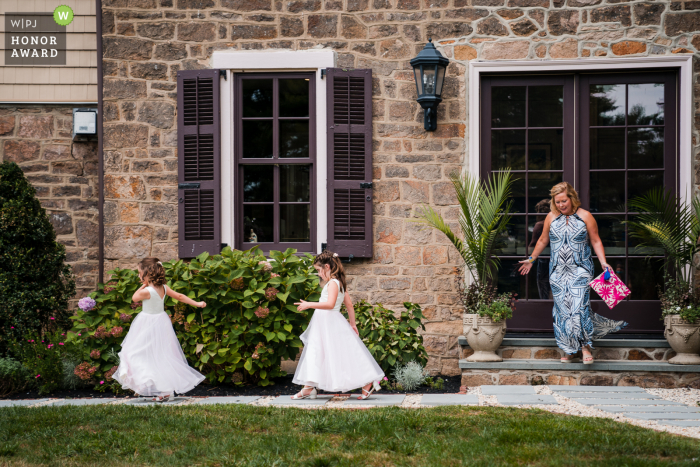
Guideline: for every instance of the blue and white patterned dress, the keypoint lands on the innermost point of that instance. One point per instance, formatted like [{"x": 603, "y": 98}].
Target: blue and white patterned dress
[{"x": 570, "y": 272}]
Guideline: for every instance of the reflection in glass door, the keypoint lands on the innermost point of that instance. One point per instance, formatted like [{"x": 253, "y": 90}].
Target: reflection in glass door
[
  {"x": 530, "y": 130},
  {"x": 628, "y": 135}
]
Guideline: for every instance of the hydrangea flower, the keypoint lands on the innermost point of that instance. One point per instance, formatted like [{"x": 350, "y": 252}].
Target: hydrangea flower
[
  {"x": 101, "y": 332},
  {"x": 95, "y": 354},
  {"x": 267, "y": 267},
  {"x": 110, "y": 373},
  {"x": 271, "y": 293},
  {"x": 85, "y": 371},
  {"x": 117, "y": 331},
  {"x": 86, "y": 304},
  {"x": 237, "y": 284},
  {"x": 124, "y": 318},
  {"x": 262, "y": 312}
]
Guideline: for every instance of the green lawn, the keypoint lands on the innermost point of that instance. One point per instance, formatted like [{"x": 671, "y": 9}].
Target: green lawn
[{"x": 265, "y": 436}]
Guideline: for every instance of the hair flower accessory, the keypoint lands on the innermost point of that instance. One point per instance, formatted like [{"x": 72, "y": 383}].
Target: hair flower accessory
[
  {"x": 335, "y": 255},
  {"x": 160, "y": 263}
]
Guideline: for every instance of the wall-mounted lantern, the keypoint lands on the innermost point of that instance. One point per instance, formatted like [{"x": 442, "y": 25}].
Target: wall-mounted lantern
[{"x": 429, "y": 70}]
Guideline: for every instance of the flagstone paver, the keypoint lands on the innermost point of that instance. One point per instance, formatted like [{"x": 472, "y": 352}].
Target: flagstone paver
[
  {"x": 526, "y": 399},
  {"x": 648, "y": 409},
  {"x": 21, "y": 402},
  {"x": 288, "y": 401},
  {"x": 496, "y": 390},
  {"x": 684, "y": 423},
  {"x": 622, "y": 401},
  {"x": 664, "y": 416},
  {"x": 147, "y": 402},
  {"x": 559, "y": 388},
  {"x": 604, "y": 395},
  {"x": 226, "y": 400},
  {"x": 60, "y": 402},
  {"x": 449, "y": 399},
  {"x": 377, "y": 400}
]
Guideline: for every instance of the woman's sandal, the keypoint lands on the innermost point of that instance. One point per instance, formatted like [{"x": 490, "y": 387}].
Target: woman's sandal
[
  {"x": 588, "y": 359},
  {"x": 301, "y": 395},
  {"x": 568, "y": 358}
]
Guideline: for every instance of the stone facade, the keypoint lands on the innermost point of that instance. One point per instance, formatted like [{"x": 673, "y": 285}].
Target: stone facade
[
  {"x": 64, "y": 173},
  {"x": 147, "y": 41},
  {"x": 582, "y": 378}
]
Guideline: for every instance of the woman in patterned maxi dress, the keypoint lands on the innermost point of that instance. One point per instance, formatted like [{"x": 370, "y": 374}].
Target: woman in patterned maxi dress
[{"x": 568, "y": 229}]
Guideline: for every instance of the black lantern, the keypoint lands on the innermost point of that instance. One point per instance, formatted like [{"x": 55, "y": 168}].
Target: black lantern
[{"x": 429, "y": 70}]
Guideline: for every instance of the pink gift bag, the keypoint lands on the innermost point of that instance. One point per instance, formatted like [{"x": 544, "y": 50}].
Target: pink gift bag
[{"x": 612, "y": 291}]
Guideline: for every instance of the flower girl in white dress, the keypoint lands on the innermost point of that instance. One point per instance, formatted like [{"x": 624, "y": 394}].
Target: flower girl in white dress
[
  {"x": 334, "y": 357},
  {"x": 152, "y": 362}
]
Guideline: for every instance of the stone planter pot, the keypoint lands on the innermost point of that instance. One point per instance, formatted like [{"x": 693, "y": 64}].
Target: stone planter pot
[
  {"x": 484, "y": 337},
  {"x": 684, "y": 338}
]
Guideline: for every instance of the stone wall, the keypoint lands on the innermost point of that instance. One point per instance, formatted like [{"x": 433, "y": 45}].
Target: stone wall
[
  {"x": 645, "y": 379},
  {"x": 64, "y": 174},
  {"x": 147, "y": 41}
]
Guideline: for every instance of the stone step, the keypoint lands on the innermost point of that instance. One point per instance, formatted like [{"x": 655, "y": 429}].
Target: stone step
[
  {"x": 550, "y": 342},
  {"x": 599, "y": 365}
]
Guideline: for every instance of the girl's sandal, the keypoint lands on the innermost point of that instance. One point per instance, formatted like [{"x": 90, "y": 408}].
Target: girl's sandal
[
  {"x": 301, "y": 395},
  {"x": 373, "y": 387}
]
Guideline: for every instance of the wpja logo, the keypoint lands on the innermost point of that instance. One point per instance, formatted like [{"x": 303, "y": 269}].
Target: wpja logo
[{"x": 37, "y": 38}]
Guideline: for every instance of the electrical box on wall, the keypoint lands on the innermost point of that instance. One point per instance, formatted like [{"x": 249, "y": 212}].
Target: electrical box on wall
[{"x": 84, "y": 124}]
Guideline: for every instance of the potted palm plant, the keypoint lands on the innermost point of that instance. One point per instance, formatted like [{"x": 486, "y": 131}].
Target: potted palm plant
[
  {"x": 669, "y": 223},
  {"x": 484, "y": 215}
]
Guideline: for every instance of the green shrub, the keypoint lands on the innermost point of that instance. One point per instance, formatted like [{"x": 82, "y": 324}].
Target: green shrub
[
  {"x": 409, "y": 376},
  {"x": 390, "y": 339},
  {"x": 35, "y": 282},
  {"x": 13, "y": 376},
  {"x": 249, "y": 325}
]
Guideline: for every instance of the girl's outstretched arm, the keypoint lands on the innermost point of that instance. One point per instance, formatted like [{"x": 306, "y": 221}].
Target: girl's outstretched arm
[
  {"x": 328, "y": 305},
  {"x": 347, "y": 301},
  {"x": 184, "y": 298}
]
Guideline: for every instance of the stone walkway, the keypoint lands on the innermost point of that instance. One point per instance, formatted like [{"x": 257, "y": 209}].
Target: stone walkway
[{"x": 672, "y": 410}]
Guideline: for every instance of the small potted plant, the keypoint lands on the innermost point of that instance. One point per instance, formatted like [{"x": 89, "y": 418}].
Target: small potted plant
[
  {"x": 669, "y": 223},
  {"x": 680, "y": 310},
  {"x": 484, "y": 216}
]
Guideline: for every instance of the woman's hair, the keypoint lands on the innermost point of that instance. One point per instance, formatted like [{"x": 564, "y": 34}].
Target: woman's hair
[
  {"x": 337, "y": 271},
  {"x": 153, "y": 269},
  {"x": 564, "y": 187}
]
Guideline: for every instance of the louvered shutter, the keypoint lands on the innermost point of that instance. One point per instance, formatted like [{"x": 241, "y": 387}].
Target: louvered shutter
[
  {"x": 349, "y": 113},
  {"x": 198, "y": 150}
]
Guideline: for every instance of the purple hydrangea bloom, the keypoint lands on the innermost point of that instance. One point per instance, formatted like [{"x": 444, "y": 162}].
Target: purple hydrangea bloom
[{"x": 86, "y": 303}]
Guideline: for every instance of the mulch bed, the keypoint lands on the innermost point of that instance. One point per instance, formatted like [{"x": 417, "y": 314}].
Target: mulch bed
[{"x": 282, "y": 386}]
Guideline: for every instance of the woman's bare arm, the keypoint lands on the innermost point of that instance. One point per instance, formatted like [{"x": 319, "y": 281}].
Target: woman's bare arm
[{"x": 594, "y": 236}]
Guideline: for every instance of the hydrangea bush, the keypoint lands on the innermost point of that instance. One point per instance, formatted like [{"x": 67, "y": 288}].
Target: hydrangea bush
[{"x": 249, "y": 325}]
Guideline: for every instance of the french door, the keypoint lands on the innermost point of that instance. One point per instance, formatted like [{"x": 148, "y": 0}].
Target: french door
[{"x": 613, "y": 137}]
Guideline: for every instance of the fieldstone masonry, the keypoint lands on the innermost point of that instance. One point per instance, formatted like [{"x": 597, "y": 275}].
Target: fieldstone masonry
[
  {"x": 147, "y": 41},
  {"x": 64, "y": 173}
]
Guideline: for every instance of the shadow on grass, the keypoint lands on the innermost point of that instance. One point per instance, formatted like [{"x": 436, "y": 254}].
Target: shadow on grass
[{"x": 236, "y": 435}]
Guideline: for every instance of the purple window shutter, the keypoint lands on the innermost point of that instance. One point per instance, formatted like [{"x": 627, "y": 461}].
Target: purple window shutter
[
  {"x": 349, "y": 100},
  {"x": 198, "y": 152}
]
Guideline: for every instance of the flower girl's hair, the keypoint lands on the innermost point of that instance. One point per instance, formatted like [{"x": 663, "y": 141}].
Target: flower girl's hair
[
  {"x": 337, "y": 270},
  {"x": 153, "y": 269}
]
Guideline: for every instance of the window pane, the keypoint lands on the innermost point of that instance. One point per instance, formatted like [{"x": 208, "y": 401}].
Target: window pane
[
  {"x": 257, "y": 183},
  {"x": 545, "y": 149},
  {"x": 294, "y": 97},
  {"x": 607, "y": 104},
  {"x": 429, "y": 80},
  {"x": 295, "y": 183},
  {"x": 257, "y": 139},
  {"x": 518, "y": 192},
  {"x": 607, "y": 148},
  {"x": 638, "y": 183},
  {"x": 535, "y": 230},
  {"x": 607, "y": 191},
  {"x": 644, "y": 278},
  {"x": 508, "y": 106},
  {"x": 295, "y": 223},
  {"x": 512, "y": 241},
  {"x": 646, "y": 106},
  {"x": 294, "y": 139},
  {"x": 509, "y": 279},
  {"x": 539, "y": 187},
  {"x": 508, "y": 149},
  {"x": 440, "y": 80},
  {"x": 645, "y": 148},
  {"x": 546, "y": 106},
  {"x": 612, "y": 233},
  {"x": 257, "y": 98},
  {"x": 257, "y": 223},
  {"x": 636, "y": 250},
  {"x": 538, "y": 288}
]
